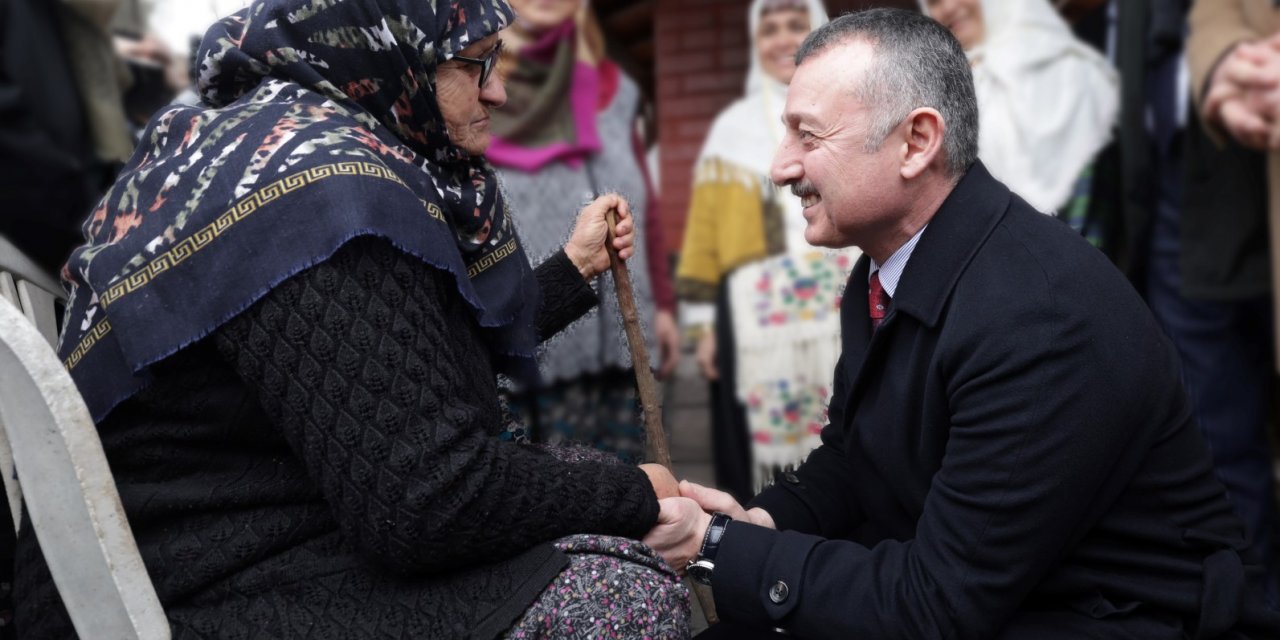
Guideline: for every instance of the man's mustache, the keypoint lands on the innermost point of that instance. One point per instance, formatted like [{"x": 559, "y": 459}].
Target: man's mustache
[{"x": 803, "y": 189}]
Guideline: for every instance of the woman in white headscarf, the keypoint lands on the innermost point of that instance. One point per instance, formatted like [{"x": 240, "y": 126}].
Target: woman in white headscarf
[
  {"x": 765, "y": 300},
  {"x": 1046, "y": 100}
]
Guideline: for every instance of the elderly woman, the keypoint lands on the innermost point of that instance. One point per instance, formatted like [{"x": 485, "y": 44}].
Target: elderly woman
[
  {"x": 287, "y": 322},
  {"x": 765, "y": 301},
  {"x": 1046, "y": 100},
  {"x": 566, "y": 132}
]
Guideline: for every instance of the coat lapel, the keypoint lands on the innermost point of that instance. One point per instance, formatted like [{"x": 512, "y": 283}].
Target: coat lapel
[{"x": 954, "y": 235}]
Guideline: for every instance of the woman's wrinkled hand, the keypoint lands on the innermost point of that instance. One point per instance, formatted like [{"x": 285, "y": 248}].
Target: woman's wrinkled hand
[
  {"x": 586, "y": 247},
  {"x": 664, "y": 484}
]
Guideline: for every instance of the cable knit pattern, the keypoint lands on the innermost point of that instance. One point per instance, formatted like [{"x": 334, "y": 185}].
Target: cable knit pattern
[
  {"x": 333, "y": 468},
  {"x": 570, "y": 296},
  {"x": 375, "y": 378}
]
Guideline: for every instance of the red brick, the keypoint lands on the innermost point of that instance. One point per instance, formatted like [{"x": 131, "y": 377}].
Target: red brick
[
  {"x": 697, "y": 39},
  {"x": 732, "y": 17},
  {"x": 689, "y": 106},
  {"x": 690, "y": 62},
  {"x": 696, "y": 19},
  {"x": 668, "y": 86},
  {"x": 733, "y": 38},
  {"x": 693, "y": 130},
  {"x": 734, "y": 58},
  {"x": 713, "y": 82}
]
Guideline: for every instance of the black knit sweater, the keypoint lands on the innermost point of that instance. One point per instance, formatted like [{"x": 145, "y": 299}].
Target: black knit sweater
[{"x": 328, "y": 465}]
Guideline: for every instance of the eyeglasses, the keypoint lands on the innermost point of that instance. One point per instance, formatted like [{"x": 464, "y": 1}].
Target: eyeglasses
[{"x": 486, "y": 63}]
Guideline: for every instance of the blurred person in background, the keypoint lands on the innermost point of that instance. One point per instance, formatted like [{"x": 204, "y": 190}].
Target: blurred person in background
[
  {"x": 762, "y": 300},
  {"x": 1214, "y": 268},
  {"x": 567, "y": 133},
  {"x": 1048, "y": 101},
  {"x": 155, "y": 79},
  {"x": 135, "y": 40},
  {"x": 286, "y": 323},
  {"x": 179, "y": 26},
  {"x": 63, "y": 129}
]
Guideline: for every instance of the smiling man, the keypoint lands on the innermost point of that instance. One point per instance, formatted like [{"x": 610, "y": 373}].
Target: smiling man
[{"x": 1010, "y": 452}]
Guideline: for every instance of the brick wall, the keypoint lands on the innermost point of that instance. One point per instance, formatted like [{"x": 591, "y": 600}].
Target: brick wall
[{"x": 701, "y": 65}]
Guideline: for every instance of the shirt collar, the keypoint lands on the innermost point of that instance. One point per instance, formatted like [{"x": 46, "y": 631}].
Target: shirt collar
[{"x": 891, "y": 271}]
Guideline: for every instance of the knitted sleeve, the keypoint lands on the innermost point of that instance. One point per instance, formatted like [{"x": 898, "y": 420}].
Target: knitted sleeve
[
  {"x": 374, "y": 369},
  {"x": 565, "y": 294}
]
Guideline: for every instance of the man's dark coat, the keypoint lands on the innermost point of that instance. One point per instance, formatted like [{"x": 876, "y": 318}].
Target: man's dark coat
[{"x": 1010, "y": 455}]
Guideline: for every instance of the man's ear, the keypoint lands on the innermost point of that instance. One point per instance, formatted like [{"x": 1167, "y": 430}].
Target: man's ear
[{"x": 922, "y": 132}]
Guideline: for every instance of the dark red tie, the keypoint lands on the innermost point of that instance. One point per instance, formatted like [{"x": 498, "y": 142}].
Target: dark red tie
[{"x": 877, "y": 301}]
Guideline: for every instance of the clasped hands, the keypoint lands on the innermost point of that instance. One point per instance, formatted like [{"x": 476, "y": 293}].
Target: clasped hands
[
  {"x": 685, "y": 513},
  {"x": 1243, "y": 95}
]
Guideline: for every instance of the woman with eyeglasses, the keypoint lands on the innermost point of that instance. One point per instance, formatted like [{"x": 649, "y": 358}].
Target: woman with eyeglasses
[
  {"x": 287, "y": 320},
  {"x": 567, "y": 132},
  {"x": 763, "y": 300}
]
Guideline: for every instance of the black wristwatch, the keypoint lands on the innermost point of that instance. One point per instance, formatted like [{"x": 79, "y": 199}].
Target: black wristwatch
[{"x": 700, "y": 567}]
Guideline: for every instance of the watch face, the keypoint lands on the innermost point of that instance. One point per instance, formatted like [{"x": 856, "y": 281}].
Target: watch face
[{"x": 700, "y": 571}]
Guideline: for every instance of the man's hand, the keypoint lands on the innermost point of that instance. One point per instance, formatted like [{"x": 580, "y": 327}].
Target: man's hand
[
  {"x": 586, "y": 246},
  {"x": 664, "y": 484},
  {"x": 706, "y": 356},
  {"x": 715, "y": 500},
  {"x": 668, "y": 336},
  {"x": 678, "y": 535}
]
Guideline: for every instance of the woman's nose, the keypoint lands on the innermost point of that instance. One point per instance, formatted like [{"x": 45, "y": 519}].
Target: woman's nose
[{"x": 494, "y": 92}]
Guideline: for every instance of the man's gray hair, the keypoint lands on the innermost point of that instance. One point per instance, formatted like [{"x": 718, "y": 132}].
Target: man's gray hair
[{"x": 918, "y": 63}]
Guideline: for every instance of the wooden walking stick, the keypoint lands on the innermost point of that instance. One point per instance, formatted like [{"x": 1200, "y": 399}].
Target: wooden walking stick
[
  {"x": 645, "y": 382},
  {"x": 647, "y": 386}
]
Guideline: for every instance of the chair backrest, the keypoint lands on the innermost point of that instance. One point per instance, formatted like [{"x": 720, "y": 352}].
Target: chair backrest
[
  {"x": 37, "y": 295},
  {"x": 28, "y": 286},
  {"x": 69, "y": 493}
]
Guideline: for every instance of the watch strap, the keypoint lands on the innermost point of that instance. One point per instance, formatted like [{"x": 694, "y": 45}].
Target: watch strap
[{"x": 715, "y": 532}]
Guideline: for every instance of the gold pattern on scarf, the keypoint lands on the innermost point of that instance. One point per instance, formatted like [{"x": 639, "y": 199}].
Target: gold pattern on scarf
[
  {"x": 488, "y": 260},
  {"x": 251, "y": 203},
  {"x": 434, "y": 211},
  {"x": 99, "y": 330}
]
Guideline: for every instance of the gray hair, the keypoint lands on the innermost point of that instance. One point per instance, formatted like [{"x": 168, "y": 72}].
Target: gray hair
[{"x": 918, "y": 63}]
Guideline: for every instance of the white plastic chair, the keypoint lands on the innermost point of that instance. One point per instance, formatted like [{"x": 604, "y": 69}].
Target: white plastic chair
[
  {"x": 31, "y": 289},
  {"x": 36, "y": 294},
  {"x": 66, "y": 483}
]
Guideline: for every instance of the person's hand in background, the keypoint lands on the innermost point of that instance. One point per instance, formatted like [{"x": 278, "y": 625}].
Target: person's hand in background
[
  {"x": 1243, "y": 96},
  {"x": 705, "y": 354}
]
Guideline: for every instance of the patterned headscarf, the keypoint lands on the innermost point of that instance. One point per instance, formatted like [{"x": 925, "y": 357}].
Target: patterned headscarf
[{"x": 318, "y": 123}]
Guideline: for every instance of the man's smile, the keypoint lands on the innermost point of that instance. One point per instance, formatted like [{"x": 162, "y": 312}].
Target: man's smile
[{"x": 807, "y": 194}]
